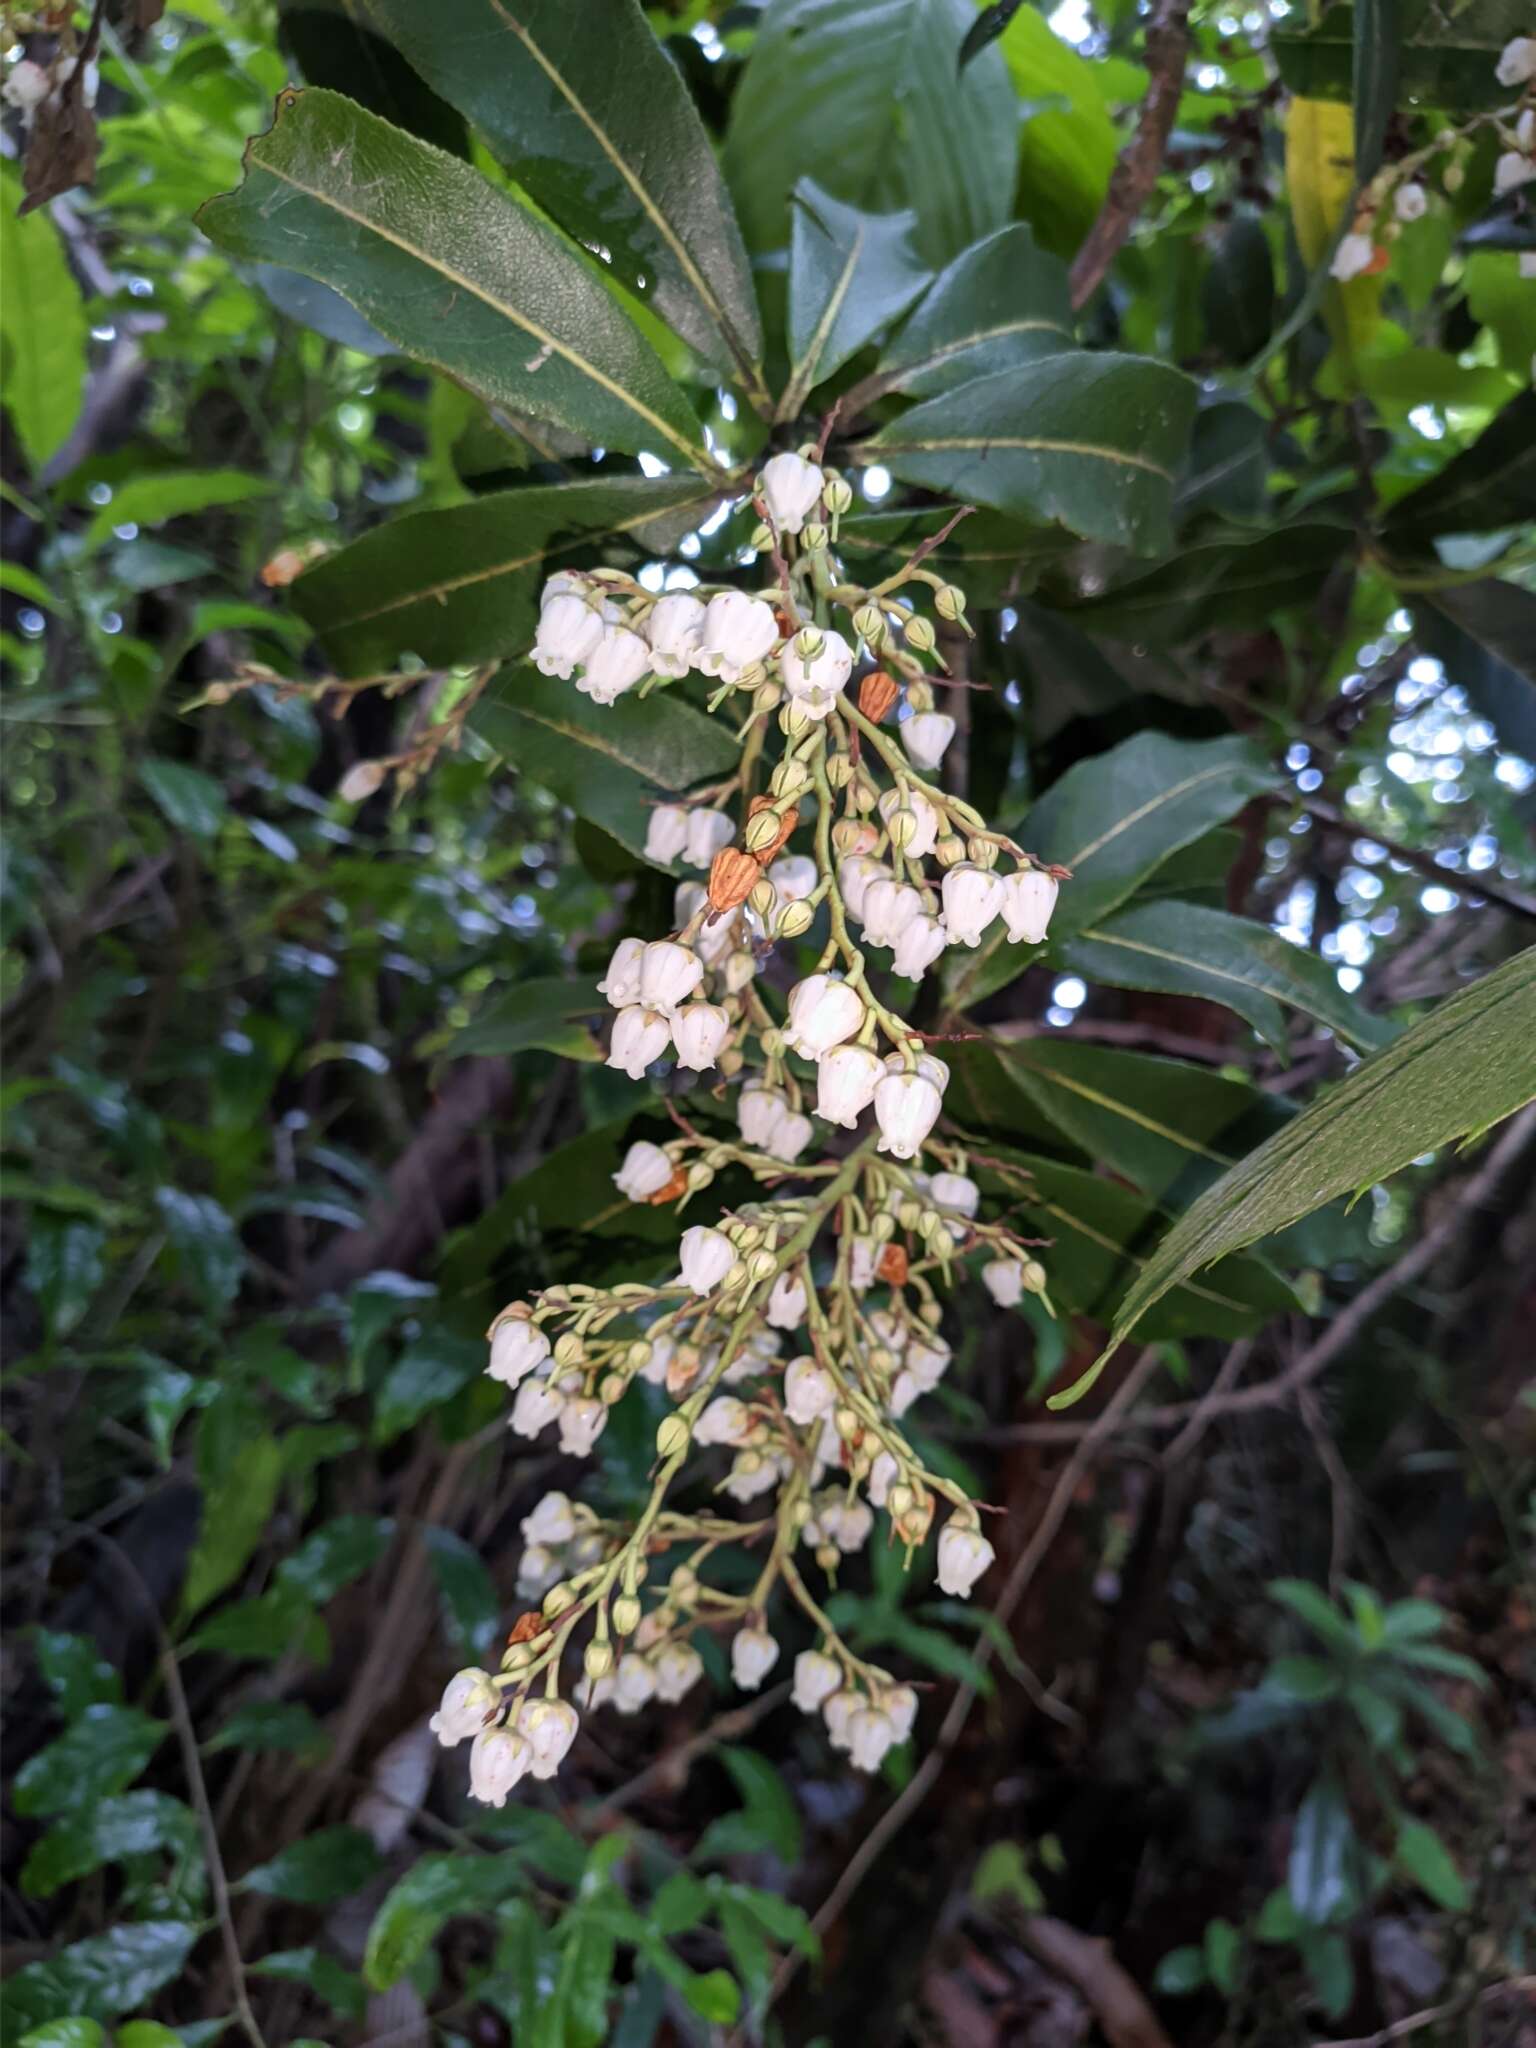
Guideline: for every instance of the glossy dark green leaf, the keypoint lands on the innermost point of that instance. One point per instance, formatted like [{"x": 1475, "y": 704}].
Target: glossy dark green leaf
[
  {"x": 327, "y": 1865},
  {"x": 1189, "y": 949},
  {"x": 128, "y": 1824},
  {"x": 206, "y": 1244},
  {"x": 237, "y": 1511},
  {"x": 1324, "y": 1850},
  {"x": 863, "y": 96},
  {"x": 851, "y": 274},
  {"x": 470, "y": 1604},
  {"x": 1092, "y": 443},
  {"x": 1373, "y": 79},
  {"x": 187, "y": 798},
  {"x": 544, "y": 1013},
  {"x": 271, "y": 1625},
  {"x": 1227, "y": 583},
  {"x": 1001, "y": 303},
  {"x": 1102, "y": 1237},
  {"x": 335, "y": 1554},
  {"x": 1228, "y": 464},
  {"x": 1445, "y": 59},
  {"x": 335, "y": 47},
  {"x": 430, "y": 1370},
  {"x": 98, "y": 1755},
  {"x": 431, "y": 1891},
  {"x": 286, "y": 1726},
  {"x": 461, "y": 583},
  {"x": 1461, "y": 1069},
  {"x": 65, "y": 1266},
  {"x": 455, "y": 272},
  {"x": 65, "y": 2034},
  {"x": 590, "y": 116},
  {"x": 1490, "y": 485},
  {"x": 1485, "y": 634},
  {"x": 610, "y": 763},
  {"x": 102, "y": 1976},
  {"x": 75, "y": 1671},
  {"x": 317, "y": 1971}
]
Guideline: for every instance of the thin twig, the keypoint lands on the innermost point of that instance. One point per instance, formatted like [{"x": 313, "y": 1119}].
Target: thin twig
[
  {"x": 1416, "y": 2022},
  {"x": 1139, "y": 163}
]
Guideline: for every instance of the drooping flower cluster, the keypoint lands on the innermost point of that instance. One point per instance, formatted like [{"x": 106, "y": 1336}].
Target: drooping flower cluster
[
  {"x": 1399, "y": 195},
  {"x": 805, "y": 1320}
]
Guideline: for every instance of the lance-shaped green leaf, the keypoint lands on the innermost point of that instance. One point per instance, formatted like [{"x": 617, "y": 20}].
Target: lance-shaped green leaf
[
  {"x": 1101, "y": 1237},
  {"x": 593, "y": 119},
  {"x": 454, "y": 272},
  {"x": 850, "y": 275},
  {"x": 1189, "y": 949},
  {"x": 1489, "y": 485},
  {"x": 609, "y": 762},
  {"x": 1228, "y": 583},
  {"x": 1463, "y": 1068},
  {"x": 43, "y": 327},
  {"x": 460, "y": 583},
  {"x": 1003, "y": 302},
  {"x": 863, "y": 96},
  {"x": 1090, "y": 442}
]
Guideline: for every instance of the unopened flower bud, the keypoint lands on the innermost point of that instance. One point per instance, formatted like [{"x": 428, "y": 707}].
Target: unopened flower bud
[
  {"x": 828, "y": 1557},
  {"x": 764, "y": 896},
  {"x": 793, "y": 921},
  {"x": 731, "y": 1062},
  {"x": 902, "y": 825},
  {"x": 839, "y": 771},
  {"x": 638, "y": 1356},
  {"x": 761, "y": 832},
  {"x": 683, "y": 1582},
  {"x": 626, "y": 1614},
  {"x": 949, "y": 602},
  {"x": 869, "y": 624},
  {"x": 699, "y": 1176},
  {"x": 789, "y": 778},
  {"x": 766, "y": 696},
  {"x": 597, "y": 1661},
  {"x": 569, "y": 1349},
  {"x": 919, "y": 634},
  {"x": 558, "y": 1598},
  {"x": 982, "y": 852},
  {"x": 899, "y": 1499},
  {"x": 846, "y": 1423},
  {"x": 761, "y": 537},
  {"x": 920, "y": 697},
  {"x": 837, "y": 495},
  {"x": 814, "y": 536},
  {"x": 878, "y": 693},
  {"x": 793, "y": 720},
  {"x": 361, "y": 781}
]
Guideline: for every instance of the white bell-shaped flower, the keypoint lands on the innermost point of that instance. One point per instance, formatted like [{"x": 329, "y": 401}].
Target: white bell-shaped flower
[
  {"x": 645, "y": 1172},
  {"x": 927, "y": 1358},
  {"x": 725, "y": 1420},
  {"x": 699, "y": 1031},
  {"x": 620, "y": 658},
  {"x": 964, "y": 1554},
  {"x": 838, "y": 1711},
  {"x": 1410, "y": 201},
  {"x": 921, "y": 940},
  {"x": 26, "y": 86},
  {"x": 498, "y": 1757},
  {"x": 847, "y": 1524},
  {"x": 972, "y": 898},
  {"x": 753, "y": 1655},
  {"x": 666, "y": 834},
  {"x": 808, "y": 1390},
  {"x": 1512, "y": 168},
  {"x": 1353, "y": 257},
  {"x": 870, "y": 1735},
  {"x": 634, "y": 1683},
  {"x": 813, "y": 668},
  {"x": 789, "y": 488},
  {"x": 678, "y": 1668},
  {"x": 518, "y": 1347},
  {"x": 846, "y": 1079},
  {"x": 640, "y": 1036},
  {"x": 621, "y": 984},
  {"x": 553, "y": 1520},
  {"x": 817, "y": 1677},
  {"x": 549, "y": 1728},
  {"x": 790, "y": 1136},
  {"x": 738, "y": 630},
  {"x": 674, "y": 629},
  {"x": 794, "y": 877},
  {"x": 823, "y": 1011},
  {"x": 863, "y": 1257},
  {"x": 537, "y": 1570},
  {"x": 569, "y": 633},
  {"x": 889, "y": 907},
  {"x": 854, "y": 875},
  {"x": 708, "y": 831},
  {"x": 899, "y": 1705},
  {"x": 906, "y": 1109},
  {"x": 740, "y": 967},
  {"x": 758, "y": 1112},
  {"x": 467, "y": 1698},
  {"x": 955, "y": 1191},
  {"x": 926, "y": 736},
  {"x": 786, "y": 1302},
  {"x": 669, "y": 974},
  {"x": 538, "y": 1403},
  {"x": 582, "y": 1422},
  {"x": 925, "y": 827},
  {"x": 750, "y": 1475},
  {"x": 1516, "y": 65},
  {"x": 1004, "y": 1281},
  {"x": 905, "y": 1389},
  {"x": 1029, "y": 897},
  {"x": 882, "y": 1477},
  {"x": 707, "y": 1256}
]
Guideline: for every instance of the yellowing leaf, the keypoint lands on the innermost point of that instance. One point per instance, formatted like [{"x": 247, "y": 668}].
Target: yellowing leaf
[{"x": 1320, "y": 176}]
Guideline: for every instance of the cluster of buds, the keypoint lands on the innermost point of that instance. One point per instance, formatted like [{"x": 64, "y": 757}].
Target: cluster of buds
[
  {"x": 806, "y": 1320},
  {"x": 1399, "y": 194}
]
